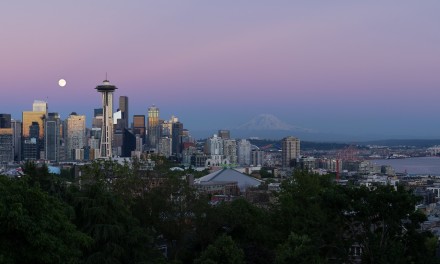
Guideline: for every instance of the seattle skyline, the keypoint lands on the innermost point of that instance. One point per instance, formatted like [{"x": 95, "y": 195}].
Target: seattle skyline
[{"x": 341, "y": 67}]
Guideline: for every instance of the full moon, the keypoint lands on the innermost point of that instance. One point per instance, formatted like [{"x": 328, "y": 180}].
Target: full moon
[{"x": 62, "y": 82}]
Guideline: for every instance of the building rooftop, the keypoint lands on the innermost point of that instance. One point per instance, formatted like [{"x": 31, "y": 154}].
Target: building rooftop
[{"x": 230, "y": 175}]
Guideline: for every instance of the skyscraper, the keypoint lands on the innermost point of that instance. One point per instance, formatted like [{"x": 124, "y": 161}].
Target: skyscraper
[
  {"x": 129, "y": 144},
  {"x": 16, "y": 134},
  {"x": 214, "y": 146},
  {"x": 139, "y": 129},
  {"x": 5, "y": 120},
  {"x": 31, "y": 143},
  {"x": 106, "y": 89},
  {"x": 97, "y": 112},
  {"x": 177, "y": 130},
  {"x": 39, "y": 106},
  {"x": 244, "y": 152},
  {"x": 257, "y": 157},
  {"x": 95, "y": 133},
  {"x": 230, "y": 150},
  {"x": 52, "y": 137},
  {"x": 165, "y": 146},
  {"x": 76, "y": 135},
  {"x": 139, "y": 125},
  {"x": 6, "y": 139},
  {"x": 290, "y": 151},
  {"x": 153, "y": 127},
  {"x": 167, "y": 126},
  {"x": 214, "y": 149},
  {"x": 28, "y": 118},
  {"x": 123, "y": 107}
]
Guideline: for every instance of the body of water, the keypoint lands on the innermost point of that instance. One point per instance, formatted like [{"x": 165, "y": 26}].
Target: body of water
[{"x": 413, "y": 166}]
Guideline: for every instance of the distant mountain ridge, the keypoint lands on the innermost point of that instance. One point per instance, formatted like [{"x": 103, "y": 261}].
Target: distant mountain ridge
[
  {"x": 269, "y": 122},
  {"x": 267, "y": 126}
]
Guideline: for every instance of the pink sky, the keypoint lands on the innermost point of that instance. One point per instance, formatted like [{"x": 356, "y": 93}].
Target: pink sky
[{"x": 337, "y": 66}]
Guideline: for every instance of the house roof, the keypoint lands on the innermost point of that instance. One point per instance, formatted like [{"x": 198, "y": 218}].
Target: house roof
[{"x": 230, "y": 175}]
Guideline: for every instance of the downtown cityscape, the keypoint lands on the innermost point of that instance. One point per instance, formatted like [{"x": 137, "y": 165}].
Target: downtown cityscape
[{"x": 218, "y": 132}]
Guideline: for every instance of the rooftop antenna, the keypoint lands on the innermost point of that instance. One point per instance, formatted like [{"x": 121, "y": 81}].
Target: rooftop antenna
[{"x": 106, "y": 76}]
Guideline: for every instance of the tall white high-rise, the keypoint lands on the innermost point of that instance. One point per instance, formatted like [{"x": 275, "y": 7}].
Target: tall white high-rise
[
  {"x": 244, "y": 149},
  {"x": 39, "y": 106},
  {"x": 290, "y": 151},
  {"x": 214, "y": 146},
  {"x": 230, "y": 150},
  {"x": 106, "y": 89}
]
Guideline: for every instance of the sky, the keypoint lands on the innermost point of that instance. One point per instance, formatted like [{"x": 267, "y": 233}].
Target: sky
[{"x": 346, "y": 67}]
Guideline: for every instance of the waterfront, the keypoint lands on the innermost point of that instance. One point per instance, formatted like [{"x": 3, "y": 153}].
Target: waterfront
[{"x": 413, "y": 166}]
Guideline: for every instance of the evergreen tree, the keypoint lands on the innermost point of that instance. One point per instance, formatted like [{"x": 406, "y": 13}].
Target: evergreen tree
[{"x": 35, "y": 227}]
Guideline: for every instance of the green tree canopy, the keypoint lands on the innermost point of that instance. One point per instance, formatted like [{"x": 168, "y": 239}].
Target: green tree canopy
[
  {"x": 35, "y": 227},
  {"x": 222, "y": 251},
  {"x": 117, "y": 235}
]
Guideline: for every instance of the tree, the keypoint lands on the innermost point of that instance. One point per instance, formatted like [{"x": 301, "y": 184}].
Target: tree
[
  {"x": 265, "y": 173},
  {"x": 387, "y": 227},
  {"x": 117, "y": 235},
  {"x": 312, "y": 205},
  {"x": 39, "y": 176},
  {"x": 35, "y": 227},
  {"x": 222, "y": 251},
  {"x": 298, "y": 249},
  {"x": 380, "y": 220},
  {"x": 249, "y": 226},
  {"x": 172, "y": 208}
]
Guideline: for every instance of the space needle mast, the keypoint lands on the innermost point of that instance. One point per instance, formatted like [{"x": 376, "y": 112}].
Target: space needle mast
[{"x": 106, "y": 89}]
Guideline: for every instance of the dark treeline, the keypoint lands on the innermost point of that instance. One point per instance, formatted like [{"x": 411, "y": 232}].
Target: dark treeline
[{"x": 122, "y": 214}]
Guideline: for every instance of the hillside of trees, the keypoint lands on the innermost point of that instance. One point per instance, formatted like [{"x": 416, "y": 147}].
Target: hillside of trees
[{"x": 114, "y": 214}]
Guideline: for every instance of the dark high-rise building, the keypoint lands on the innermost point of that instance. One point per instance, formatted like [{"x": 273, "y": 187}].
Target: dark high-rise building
[
  {"x": 123, "y": 107},
  {"x": 6, "y": 139},
  {"x": 176, "y": 143},
  {"x": 95, "y": 133},
  {"x": 31, "y": 143},
  {"x": 5, "y": 120},
  {"x": 30, "y": 149},
  {"x": 129, "y": 144},
  {"x": 97, "y": 112},
  {"x": 16, "y": 137},
  {"x": 52, "y": 137},
  {"x": 153, "y": 127},
  {"x": 34, "y": 130},
  {"x": 118, "y": 141},
  {"x": 139, "y": 126}
]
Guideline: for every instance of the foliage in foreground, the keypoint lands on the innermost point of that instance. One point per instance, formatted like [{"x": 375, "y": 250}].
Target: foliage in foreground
[{"x": 116, "y": 216}]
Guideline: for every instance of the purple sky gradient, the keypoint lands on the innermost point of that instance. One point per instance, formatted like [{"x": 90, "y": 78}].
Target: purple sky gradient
[{"x": 351, "y": 67}]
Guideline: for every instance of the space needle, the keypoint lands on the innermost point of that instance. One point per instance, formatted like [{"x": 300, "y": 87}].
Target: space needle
[{"x": 106, "y": 89}]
